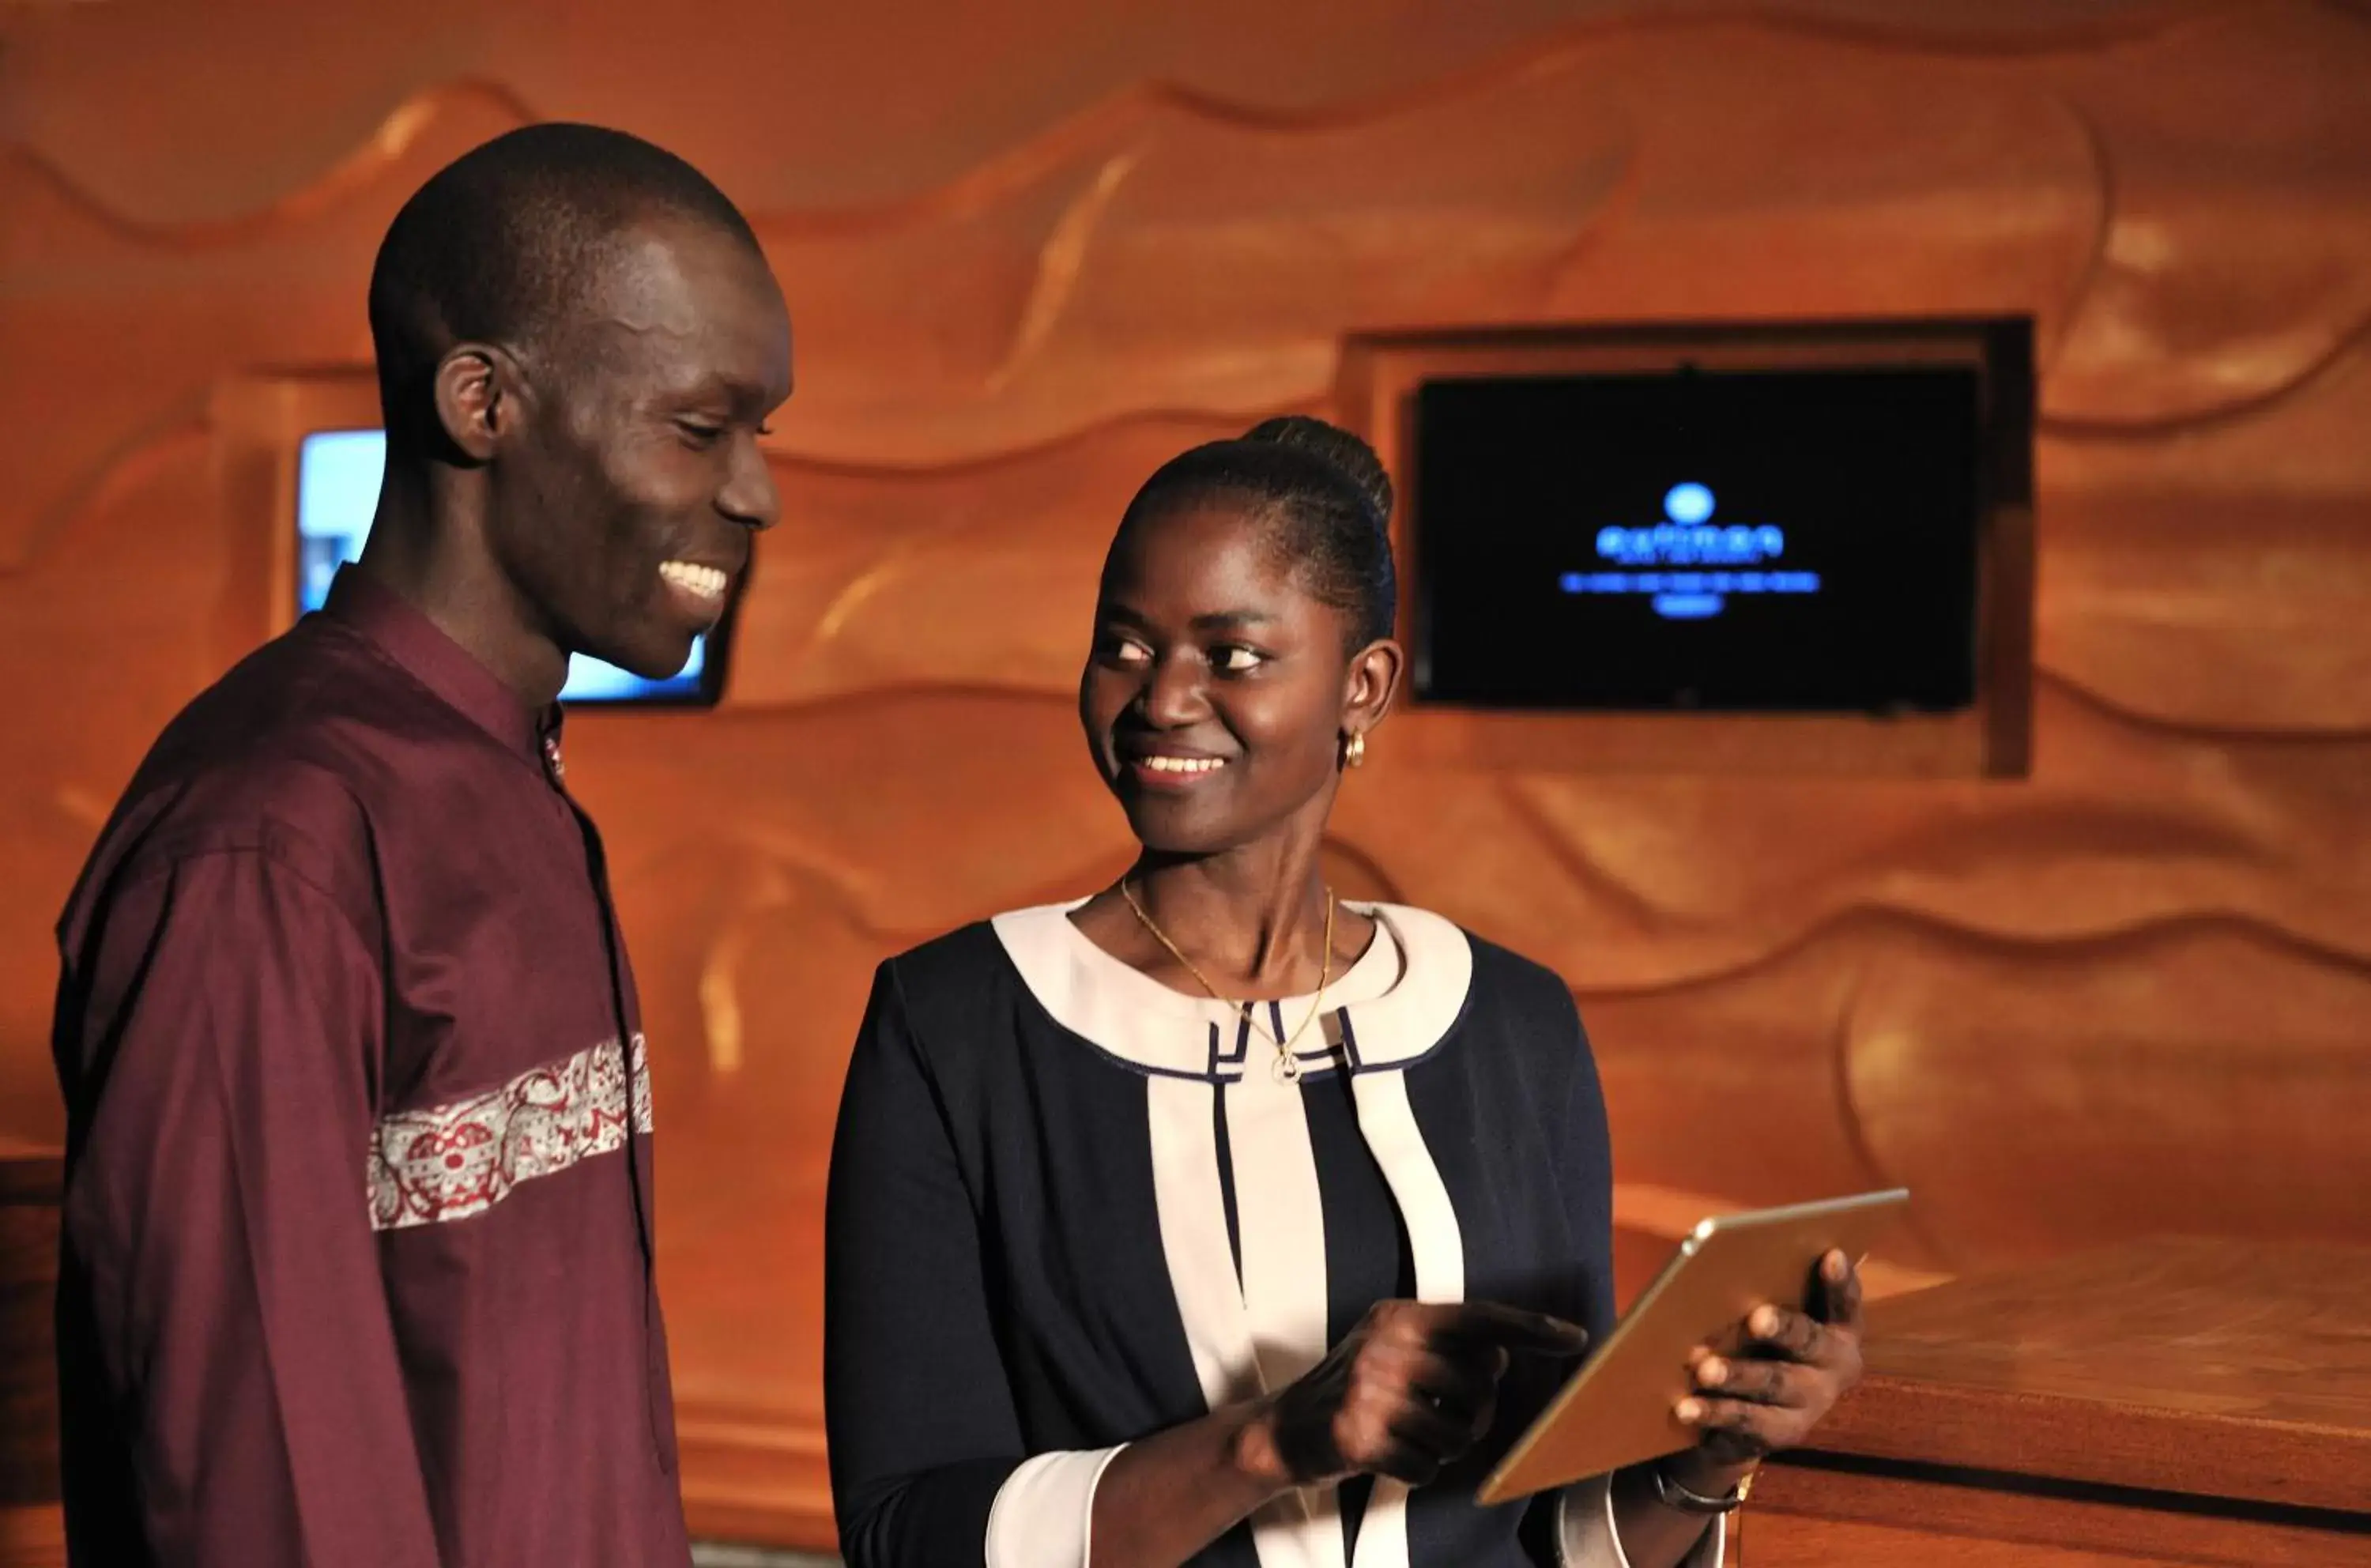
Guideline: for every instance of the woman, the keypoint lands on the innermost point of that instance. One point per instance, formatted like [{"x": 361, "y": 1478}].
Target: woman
[{"x": 1203, "y": 1220}]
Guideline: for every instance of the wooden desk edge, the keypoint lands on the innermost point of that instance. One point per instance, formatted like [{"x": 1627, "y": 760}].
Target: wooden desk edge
[
  {"x": 2055, "y": 1436},
  {"x": 30, "y": 1173}
]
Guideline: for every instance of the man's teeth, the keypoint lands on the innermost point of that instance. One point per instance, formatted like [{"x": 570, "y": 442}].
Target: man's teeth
[
  {"x": 1184, "y": 764},
  {"x": 707, "y": 582}
]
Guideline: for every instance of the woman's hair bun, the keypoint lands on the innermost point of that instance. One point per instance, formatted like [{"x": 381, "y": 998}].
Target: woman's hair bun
[{"x": 1340, "y": 449}]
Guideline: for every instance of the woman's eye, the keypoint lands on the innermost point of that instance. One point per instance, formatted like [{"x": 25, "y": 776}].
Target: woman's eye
[
  {"x": 1234, "y": 659},
  {"x": 1128, "y": 651},
  {"x": 700, "y": 433}
]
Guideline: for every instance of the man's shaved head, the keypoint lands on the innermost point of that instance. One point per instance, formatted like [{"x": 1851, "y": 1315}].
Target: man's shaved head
[
  {"x": 579, "y": 342},
  {"x": 500, "y": 244}
]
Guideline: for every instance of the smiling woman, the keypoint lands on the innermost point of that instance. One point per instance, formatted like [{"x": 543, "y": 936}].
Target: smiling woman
[{"x": 1210, "y": 1218}]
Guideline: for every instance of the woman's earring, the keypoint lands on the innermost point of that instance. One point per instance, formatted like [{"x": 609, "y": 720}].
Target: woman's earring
[{"x": 1354, "y": 750}]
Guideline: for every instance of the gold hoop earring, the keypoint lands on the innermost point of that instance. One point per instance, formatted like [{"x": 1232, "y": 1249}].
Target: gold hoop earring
[{"x": 1354, "y": 750}]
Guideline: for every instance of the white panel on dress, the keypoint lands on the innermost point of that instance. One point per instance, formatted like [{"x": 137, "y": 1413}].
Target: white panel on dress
[
  {"x": 1437, "y": 1246},
  {"x": 1192, "y": 1208},
  {"x": 1183, "y": 1113},
  {"x": 1281, "y": 1220}
]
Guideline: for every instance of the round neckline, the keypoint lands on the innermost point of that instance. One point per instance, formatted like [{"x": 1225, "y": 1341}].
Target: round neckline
[
  {"x": 1128, "y": 1016},
  {"x": 1353, "y": 987}
]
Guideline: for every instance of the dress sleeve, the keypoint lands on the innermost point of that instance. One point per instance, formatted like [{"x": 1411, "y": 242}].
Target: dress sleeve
[
  {"x": 221, "y": 1297},
  {"x": 1587, "y": 1537},
  {"x": 928, "y": 1464}
]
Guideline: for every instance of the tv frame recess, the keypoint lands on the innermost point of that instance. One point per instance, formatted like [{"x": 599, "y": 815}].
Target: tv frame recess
[
  {"x": 260, "y": 423},
  {"x": 1375, "y": 394}
]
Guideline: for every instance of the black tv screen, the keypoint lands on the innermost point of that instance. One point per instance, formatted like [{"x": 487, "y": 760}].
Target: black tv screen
[{"x": 1787, "y": 541}]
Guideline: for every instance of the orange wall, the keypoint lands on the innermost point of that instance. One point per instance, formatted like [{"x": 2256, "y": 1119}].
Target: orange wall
[{"x": 1032, "y": 250}]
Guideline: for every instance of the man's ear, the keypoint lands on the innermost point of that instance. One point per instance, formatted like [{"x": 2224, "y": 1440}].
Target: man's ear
[{"x": 477, "y": 394}]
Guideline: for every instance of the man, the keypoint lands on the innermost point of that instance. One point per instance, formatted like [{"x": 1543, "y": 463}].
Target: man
[{"x": 356, "y": 1267}]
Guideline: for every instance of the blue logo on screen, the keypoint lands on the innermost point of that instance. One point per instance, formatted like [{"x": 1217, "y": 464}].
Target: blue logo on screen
[
  {"x": 1688, "y": 502},
  {"x": 337, "y": 491},
  {"x": 1675, "y": 556}
]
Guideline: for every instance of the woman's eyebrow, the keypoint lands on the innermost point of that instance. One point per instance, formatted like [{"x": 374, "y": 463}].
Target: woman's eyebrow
[{"x": 1234, "y": 620}]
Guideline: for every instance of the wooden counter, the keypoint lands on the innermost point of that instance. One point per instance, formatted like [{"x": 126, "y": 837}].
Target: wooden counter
[
  {"x": 2167, "y": 1401},
  {"x": 31, "y": 1535}
]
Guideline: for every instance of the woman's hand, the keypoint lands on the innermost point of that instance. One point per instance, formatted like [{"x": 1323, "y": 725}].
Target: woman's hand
[
  {"x": 1408, "y": 1390},
  {"x": 1792, "y": 1368}
]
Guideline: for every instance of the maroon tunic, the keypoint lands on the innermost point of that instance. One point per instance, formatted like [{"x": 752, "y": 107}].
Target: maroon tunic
[{"x": 356, "y": 1267}]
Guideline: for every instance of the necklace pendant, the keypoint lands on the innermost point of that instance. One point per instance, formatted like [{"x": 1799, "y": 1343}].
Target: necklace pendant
[{"x": 1287, "y": 1067}]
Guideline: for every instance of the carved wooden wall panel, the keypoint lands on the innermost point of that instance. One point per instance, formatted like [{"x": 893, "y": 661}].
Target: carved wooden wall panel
[{"x": 1033, "y": 249}]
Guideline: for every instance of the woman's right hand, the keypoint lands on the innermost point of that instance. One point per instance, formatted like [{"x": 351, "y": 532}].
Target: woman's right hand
[{"x": 1410, "y": 1390}]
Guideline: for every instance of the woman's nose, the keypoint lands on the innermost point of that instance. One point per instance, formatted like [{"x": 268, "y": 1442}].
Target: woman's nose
[{"x": 1173, "y": 695}]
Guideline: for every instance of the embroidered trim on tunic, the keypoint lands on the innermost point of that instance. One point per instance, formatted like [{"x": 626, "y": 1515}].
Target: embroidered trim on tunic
[{"x": 446, "y": 1162}]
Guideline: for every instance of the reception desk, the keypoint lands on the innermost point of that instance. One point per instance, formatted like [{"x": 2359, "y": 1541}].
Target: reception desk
[{"x": 2167, "y": 1401}]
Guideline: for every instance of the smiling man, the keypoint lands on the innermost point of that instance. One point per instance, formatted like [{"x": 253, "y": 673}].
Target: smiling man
[{"x": 356, "y": 1267}]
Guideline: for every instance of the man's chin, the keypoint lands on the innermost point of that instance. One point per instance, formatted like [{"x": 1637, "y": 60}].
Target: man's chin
[{"x": 649, "y": 659}]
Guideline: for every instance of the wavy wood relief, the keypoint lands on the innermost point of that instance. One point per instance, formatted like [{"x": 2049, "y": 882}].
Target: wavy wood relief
[
  {"x": 968, "y": 573},
  {"x": 2201, "y": 1080},
  {"x": 331, "y": 94},
  {"x": 2230, "y": 615},
  {"x": 977, "y": 799},
  {"x": 2214, "y": 614},
  {"x": 141, "y": 330},
  {"x": 2236, "y": 258},
  {"x": 955, "y": 336},
  {"x": 446, "y": 111}
]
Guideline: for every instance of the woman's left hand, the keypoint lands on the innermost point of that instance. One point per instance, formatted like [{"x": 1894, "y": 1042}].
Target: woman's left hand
[{"x": 1793, "y": 1367}]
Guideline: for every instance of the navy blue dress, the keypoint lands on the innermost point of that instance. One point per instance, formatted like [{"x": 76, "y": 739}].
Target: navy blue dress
[{"x": 1071, "y": 1209}]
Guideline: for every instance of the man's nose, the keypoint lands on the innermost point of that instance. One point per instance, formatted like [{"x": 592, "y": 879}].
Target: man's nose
[{"x": 749, "y": 495}]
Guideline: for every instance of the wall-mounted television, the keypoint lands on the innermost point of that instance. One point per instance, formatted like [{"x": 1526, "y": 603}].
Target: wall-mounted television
[
  {"x": 1737, "y": 547},
  {"x": 336, "y": 493},
  {"x": 1799, "y": 540}
]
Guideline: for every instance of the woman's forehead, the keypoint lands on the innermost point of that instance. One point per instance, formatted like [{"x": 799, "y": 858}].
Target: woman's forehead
[{"x": 1199, "y": 550}]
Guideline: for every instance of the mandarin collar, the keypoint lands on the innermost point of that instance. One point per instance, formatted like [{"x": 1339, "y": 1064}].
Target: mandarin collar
[{"x": 405, "y": 634}]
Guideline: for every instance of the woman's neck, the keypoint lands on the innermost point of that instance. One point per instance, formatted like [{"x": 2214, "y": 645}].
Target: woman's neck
[{"x": 1253, "y": 919}]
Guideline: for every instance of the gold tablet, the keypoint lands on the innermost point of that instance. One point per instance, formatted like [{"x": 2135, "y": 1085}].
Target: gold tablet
[{"x": 1616, "y": 1411}]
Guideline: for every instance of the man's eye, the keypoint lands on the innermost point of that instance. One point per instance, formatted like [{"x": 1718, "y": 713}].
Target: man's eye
[
  {"x": 1234, "y": 659},
  {"x": 700, "y": 433},
  {"x": 1127, "y": 651}
]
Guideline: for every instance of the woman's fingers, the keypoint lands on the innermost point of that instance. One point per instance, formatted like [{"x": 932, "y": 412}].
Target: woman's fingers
[
  {"x": 1741, "y": 1429},
  {"x": 1758, "y": 1382},
  {"x": 1435, "y": 1431},
  {"x": 1456, "y": 1390},
  {"x": 1415, "y": 1386},
  {"x": 1512, "y": 1328},
  {"x": 1839, "y": 1292},
  {"x": 1795, "y": 1335},
  {"x": 1407, "y": 1462}
]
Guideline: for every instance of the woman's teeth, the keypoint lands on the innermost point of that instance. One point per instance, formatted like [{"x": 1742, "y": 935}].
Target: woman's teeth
[
  {"x": 1183, "y": 763},
  {"x": 706, "y": 582}
]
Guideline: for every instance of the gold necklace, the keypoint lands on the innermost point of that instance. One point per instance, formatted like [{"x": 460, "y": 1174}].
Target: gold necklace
[{"x": 1287, "y": 1065}]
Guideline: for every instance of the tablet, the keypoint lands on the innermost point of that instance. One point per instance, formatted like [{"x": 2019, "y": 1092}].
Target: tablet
[{"x": 1616, "y": 1411}]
